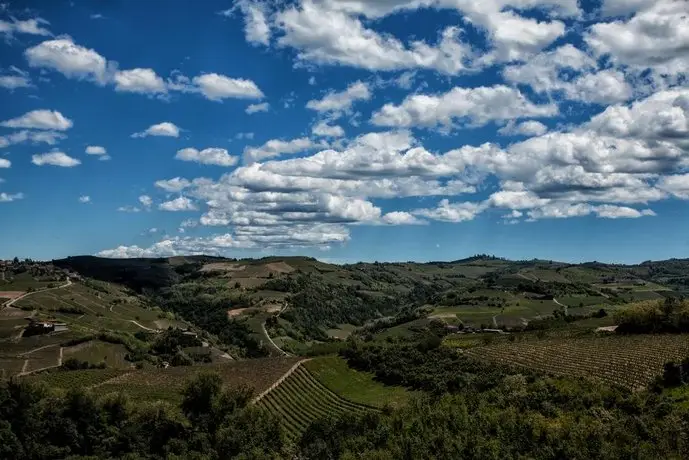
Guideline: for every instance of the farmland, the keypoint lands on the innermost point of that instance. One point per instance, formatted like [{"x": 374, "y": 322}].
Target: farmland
[
  {"x": 166, "y": 384},
  {"x": 353, "y": 385},
  {"x": 628, "y": 361},
  {"x": 301, "y": 399}
]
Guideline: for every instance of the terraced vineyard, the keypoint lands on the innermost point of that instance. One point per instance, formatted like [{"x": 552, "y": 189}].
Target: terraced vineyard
[
  {"x": 301, "y": 399},
  {"x": 629, "y": 361}
]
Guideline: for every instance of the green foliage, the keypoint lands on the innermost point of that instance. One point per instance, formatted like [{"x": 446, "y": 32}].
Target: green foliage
[
  {"x": 668, "y": 315},
  {"x": 36, "y": 423},
  {"x": 73, "y": 364}
]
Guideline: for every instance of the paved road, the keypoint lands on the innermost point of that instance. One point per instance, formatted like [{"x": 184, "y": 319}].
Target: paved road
[{"x": 11, "y": 302}]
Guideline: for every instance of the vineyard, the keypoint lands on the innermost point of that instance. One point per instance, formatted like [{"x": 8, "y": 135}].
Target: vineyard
[
  {"x": 301, "y": 399},
  {"x": 628, "y": 361},
  {"x": 166, "y": 384}
]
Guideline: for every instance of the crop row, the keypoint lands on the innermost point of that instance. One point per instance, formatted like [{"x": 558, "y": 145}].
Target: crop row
[
  {"x": 301, "y": 399},
  {"x": 628, "y": 361}
]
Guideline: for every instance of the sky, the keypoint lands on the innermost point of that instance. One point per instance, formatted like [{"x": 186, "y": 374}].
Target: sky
[{"x": 345, "y": 130}]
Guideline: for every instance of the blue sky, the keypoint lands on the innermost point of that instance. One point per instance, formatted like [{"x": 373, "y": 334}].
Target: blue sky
[{"x": 345, "y": 129}]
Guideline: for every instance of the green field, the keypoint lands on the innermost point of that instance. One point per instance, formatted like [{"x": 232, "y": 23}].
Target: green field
[
  {"x": 342, "y": 332},
  {"x": 23, "y": 282},
  {"x": 96, "y": 352},
  {"x": 353, "y": 385},
  {"x": 301, "y": 399}
]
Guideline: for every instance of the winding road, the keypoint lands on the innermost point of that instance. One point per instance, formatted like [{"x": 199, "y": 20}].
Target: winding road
[
  {"x": 561, "y": 304},
  {"x": 27, "y": 294}
]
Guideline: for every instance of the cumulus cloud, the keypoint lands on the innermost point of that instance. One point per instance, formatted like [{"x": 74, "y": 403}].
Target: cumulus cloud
[
  {"x": 131, "y": 209},
  {"x": 70, "y": 59},
  {"x": 525, "y": 128},
  {"x": 13, "y": 82},
  {"x": 176, "y": 184},
  {"x": 181, "y": 203},
  {"x": 40, "y": 119},
  {"x": 142, "y": 81},
  {"x": 337, "y": 102},
  {"x": 275, "y": 147},
  {"x": 475, "y": 106},
  {"x": 55, "y": 159},
  {"x": 146, "y": 201},
  {"x": 34, "y": 137},
  {"x": 32, "y": 26},
  {"x": 164, "y": 129},
  {"x": 84, "y": 199},
  {"x": 210, "y": 156},
  {"x": 256, "y": 26},
  {"x": 654, "y": 38},
  {"x": 451, "y": 212},
  {"x": 5, "y": 163},
  {"x": 217, "y": 87},
  {"x": 323, "y": 129},
  {"x": 571, "y": 73},
  {"x": 9, "y": 197},
  {"x": 326, "y": 35},
  {"x": 255, "y": 108}
]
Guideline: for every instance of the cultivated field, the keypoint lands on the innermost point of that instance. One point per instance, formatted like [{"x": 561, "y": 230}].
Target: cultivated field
[
  {"x": 301, "y": 399},
  {"x": 629, "y": 361},
  {"x": 166, "y": 384},
  {"x": 353, "y": 385}
]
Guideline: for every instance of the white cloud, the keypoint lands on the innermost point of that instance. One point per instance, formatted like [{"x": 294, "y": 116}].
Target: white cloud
[
  {"x": 209, "y": 156},
  {"x": 131, "y": 209},
  {"x": 5, "y": 163},
  {"x": 55, "y": 159},
  {"x": 337, "y": 102},
  {"x": 218, "y": 87},
  {"x": 13, "y": 82},
  {"x": 655, "y": 37},
  {"x": 401, "y": 218},
  {"x": 143, "y": 81},
  {"x": 176, "y": 184},
  {"x": 256, "y": 27},
  {"x": 678, "y": 185},
  {"x": 323, "y": 34},
  {"x": 35, "y": 137},
  {"x": 84, "y": 199},
  {"x": 8, "y": 197},
  {"x": 98, "y": 151},
  {"x": 244, "y": 136},
  {"x": 451, "y": 212},
  {"x": 31, "y": 26},
  {"x": 276, "y": 147},
  {"x": 623, "y": 7},
  {"x": 477, "y": 106},
  {"x": 146, "y": 201},
  {"x": 525, "y": 128},
  {"x": 312, "y": 80},
  {"x": 323, "y": 129},
  {"x": 164, "y": 129},
  {"x": 70, "y": 59},
  {"x": 181, "y": 203},
  {"x": 255, "y": 108},
  {"x": 570, "y": 72},
  {"x": 40, "y": 119}
]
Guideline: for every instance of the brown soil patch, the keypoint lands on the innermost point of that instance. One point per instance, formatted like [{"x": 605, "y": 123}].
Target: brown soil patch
[
  {"x": 222, "y": 267},
  {"x": 236, "y": 312},
  {"x": 273, "y": 308},
  {"x": 11, "y": 294},
  {"x": 280, "y": 267}
]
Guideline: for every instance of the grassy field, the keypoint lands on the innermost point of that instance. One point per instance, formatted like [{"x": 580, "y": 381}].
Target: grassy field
[
  {"x": 359, "y": 387},
  {"x": 342, "y": 332},
  {"x": 23, "y": 282},
  {"x": 96, "y": 352},
  {"x": 629, "y": 361},
  {"x": 301, "y": 399}
]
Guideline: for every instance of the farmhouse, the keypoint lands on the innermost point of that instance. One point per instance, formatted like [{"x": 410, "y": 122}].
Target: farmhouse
[{"x": 44, "y": 327}]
